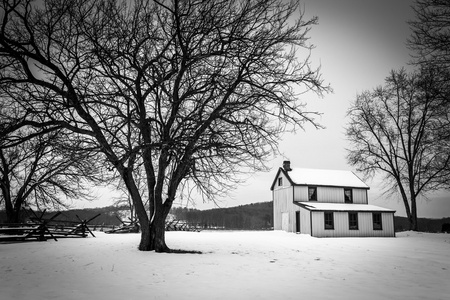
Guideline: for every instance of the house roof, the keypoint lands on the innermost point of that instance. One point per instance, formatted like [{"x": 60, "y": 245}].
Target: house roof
[
  {"x": 321, "y": 177},
  {"x": 320, "y": 206}
]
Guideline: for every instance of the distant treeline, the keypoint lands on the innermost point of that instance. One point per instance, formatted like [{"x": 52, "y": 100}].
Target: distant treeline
[
  {"x": 424, "y": 224},
  {"x": 108, "y": 215},
  {"x": 257, "y": 216}
]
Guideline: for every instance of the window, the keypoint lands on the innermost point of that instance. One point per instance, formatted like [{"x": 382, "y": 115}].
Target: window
[
  {"x": 348, "y": 196},
  {"x": 280, "y": 181},
  {"x": 353, "y": 221},
  {"x": 312, "y": 193},
  {"x": 376, "y": 218},
  {"x": 329, "y": 220}
]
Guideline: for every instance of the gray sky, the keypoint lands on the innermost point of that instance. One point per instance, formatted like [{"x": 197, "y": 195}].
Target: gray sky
[{"x": 357, "y": 43}]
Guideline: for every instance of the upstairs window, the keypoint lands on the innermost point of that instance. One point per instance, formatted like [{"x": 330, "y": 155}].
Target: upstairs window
[
  {"x": 377, "y": 223},
  {"x": 348, "y": 196},
  {"x": 329, "y": 220},
  {"x": 280, "y": 181},
  {"x": 312, "y": 193},
  {"x": 353, "y": 221}
]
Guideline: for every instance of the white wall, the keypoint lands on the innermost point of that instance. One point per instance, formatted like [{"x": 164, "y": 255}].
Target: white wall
[
  {"x": 330, "y": 194},
  {"x": 360, "y": 196},
  {"x": 283, "y": 205},
  {"x": 305, "y": 221},
  {"x": 341, "y": 228},
  {"x": 282, "y": 202}
]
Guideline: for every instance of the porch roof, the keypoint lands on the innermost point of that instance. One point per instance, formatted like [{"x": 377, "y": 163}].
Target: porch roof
[{"x": 320, "y": 206}]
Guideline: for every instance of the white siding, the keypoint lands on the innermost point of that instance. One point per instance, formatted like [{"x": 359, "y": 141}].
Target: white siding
[
  {"x": 305, "y": 221},
  {"x": 341, "y": 228},
  {"x": 285, "y": 221},
  {"x": 283, "y": 206},
  {"x": 360, "y": 196},
  {"x": 300, "y": 193},
  {"x": 282, "y": 202},
  {"x": 330, "y": 194}
]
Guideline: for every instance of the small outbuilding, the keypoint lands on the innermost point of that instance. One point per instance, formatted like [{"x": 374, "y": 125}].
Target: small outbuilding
[{"x": 327, "y": 203}]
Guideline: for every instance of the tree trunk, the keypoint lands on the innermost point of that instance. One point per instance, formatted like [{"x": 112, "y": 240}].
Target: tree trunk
[
  {"x": 413, "y": 216},
  {"x": 411, "y": 210},
  {"x": 153, "y": 233},
  {"x": 145, "y": 243},
  {"x": 158, "y": 234}
]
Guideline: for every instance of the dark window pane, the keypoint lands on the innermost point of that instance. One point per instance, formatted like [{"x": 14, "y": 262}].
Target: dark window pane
[
  {"x": 353, "y": 220},
  {"x": 329, "y": 220},
  {"x": 377, "y": 223},
  {"x": 348, "y": 196},
  {"x": 312, "y": 193}
]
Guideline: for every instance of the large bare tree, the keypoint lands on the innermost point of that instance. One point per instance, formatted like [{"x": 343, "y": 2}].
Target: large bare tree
[
  {"x": 401, "y": 130},
  {"x": 187, "y": 91}
]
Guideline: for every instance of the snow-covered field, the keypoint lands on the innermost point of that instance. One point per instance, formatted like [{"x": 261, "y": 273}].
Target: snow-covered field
[{"x": 234, "y": 265}]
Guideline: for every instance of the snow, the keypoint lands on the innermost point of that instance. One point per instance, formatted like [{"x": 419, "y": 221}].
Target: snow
[
  {"x": 303, "y": 176},
  {"x": 234, "y": 265},
  {"x": 321, "y": 206}
]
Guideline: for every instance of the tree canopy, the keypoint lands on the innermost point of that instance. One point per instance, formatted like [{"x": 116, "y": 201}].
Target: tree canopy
[{"x": 430, "y": 38}]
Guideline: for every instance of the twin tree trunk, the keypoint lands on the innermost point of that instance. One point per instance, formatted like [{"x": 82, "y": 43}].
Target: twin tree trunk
[
  {"x": 153, "y": 229},
  {"x": 153, "y": 235}
]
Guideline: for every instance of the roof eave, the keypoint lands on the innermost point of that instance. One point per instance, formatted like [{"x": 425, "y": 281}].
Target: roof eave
[
  {"x": 323, "y": 185},
  {"x": 312, "y": 208}
]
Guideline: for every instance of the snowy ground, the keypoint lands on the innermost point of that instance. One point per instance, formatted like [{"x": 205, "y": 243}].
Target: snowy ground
[{"x": 234, "y": 265}]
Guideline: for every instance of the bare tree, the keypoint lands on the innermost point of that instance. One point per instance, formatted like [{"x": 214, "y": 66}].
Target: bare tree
[
  {"x": 402, "y": 130},
  {"x": 186, "y": 90},
  {"x": 41, "y": 165},
  {"x": 41, "y": 172}
]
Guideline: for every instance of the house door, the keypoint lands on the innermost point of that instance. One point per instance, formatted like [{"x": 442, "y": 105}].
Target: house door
[{"x": 297, "y": 221}]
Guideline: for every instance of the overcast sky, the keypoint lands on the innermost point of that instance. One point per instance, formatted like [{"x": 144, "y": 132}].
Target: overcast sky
[{"x": 357, "y": 43}]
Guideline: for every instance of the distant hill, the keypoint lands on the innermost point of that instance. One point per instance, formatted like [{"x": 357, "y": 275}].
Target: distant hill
[
  {"x": 107, "y": 215},
  {"x": 256, "y": 216},
  {"x": 424, "y": 224}
]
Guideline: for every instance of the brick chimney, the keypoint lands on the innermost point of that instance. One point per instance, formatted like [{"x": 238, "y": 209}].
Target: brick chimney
[{"x": 287, "y": 165}]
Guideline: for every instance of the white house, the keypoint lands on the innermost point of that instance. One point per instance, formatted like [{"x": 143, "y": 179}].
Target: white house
[{"x": 327, "y": 203}]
